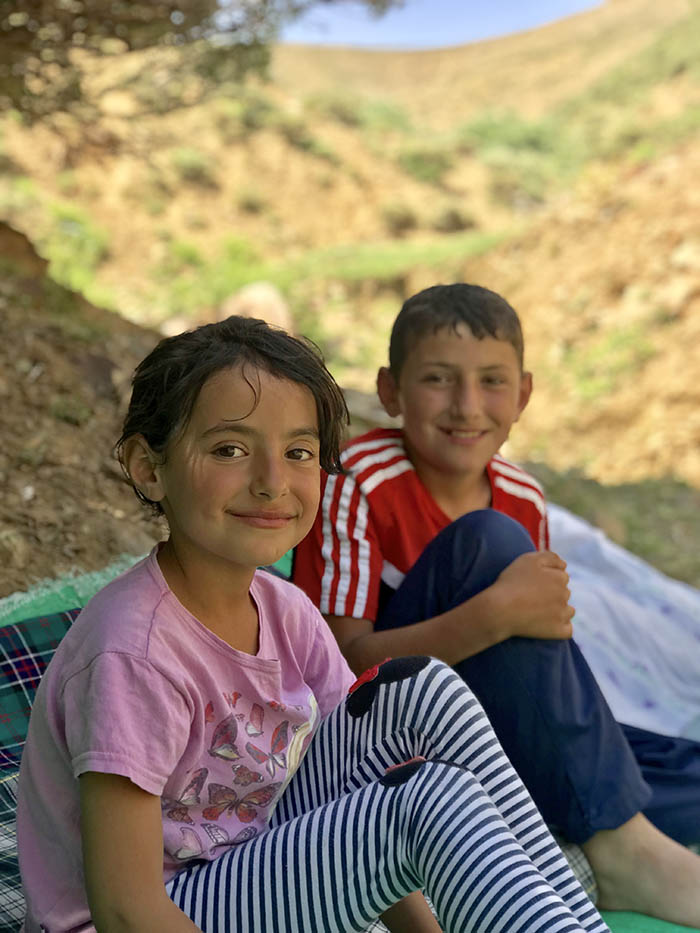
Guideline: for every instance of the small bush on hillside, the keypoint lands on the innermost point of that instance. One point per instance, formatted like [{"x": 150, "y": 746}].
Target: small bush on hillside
[
  {"x": 74, "y": 246},
  {"x": 426, "y": 164},
  {"x": 384, "y": 117},
  {"x": 194, "y": 166},
  {"x": 519, "y": 179},
  {"x": 453, "y": 219},
  {"x": 181, "y": 256},
  {"x": 251, "y": 201},
  {"x": 508, "y": 130},
  {"x": 370, "y": 114},
  {"x": 399, "y": 218},
  {"x": 297, "y": 134},
  {"x": 237, "y": 116},
  {"x": 342, "y": 109}
]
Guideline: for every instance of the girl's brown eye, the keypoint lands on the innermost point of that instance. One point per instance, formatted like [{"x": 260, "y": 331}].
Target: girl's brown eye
[
  {"x": 229, "y": 451},
  {"x": 300, "y": 453}
]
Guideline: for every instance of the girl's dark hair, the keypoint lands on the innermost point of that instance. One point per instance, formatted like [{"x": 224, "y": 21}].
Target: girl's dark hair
[
  {"x": 484, "y": 312},
  {"x": 168, "y": 381}
]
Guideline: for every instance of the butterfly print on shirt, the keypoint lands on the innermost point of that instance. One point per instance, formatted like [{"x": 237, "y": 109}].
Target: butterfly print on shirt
[
  {"x": 275, "y": 758},
  {"x": 255, "y": 725},
  {"x": 222, "y": 799},
  {"x": 245, "y": 776},
  {"x": 178, "y": 809},
  {"x": 223, "y": 742}
]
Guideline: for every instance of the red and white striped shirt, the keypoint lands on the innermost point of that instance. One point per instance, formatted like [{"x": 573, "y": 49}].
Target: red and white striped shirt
[{"x": 375, "y": 521}]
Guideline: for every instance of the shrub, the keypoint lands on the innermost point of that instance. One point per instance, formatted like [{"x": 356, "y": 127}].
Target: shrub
[
  {"x": 426, "y": 164},
  {"x": 74, "y": 246},
  {"x": 193, "y": 166},
  {"x": 399, "y": 218},
  {"x": 251, "y": 201},
  {"x": 452, "y": 219}
]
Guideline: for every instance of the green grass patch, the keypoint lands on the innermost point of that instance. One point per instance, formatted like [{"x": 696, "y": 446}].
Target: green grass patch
[
  {"x": 194, "y": 167},
  {"x": 370, "y": 114},
  {"x": 74, "y": 245},
  {"x": 598, "y": 368},
  {"x": 658, "y": 519},
  {"x": 238, "y": 264},
  {"x": 428, "y": 164}
]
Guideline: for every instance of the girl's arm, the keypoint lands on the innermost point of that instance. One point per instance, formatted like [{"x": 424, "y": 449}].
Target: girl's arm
[
  {"x": 411, "y": 915},
  {"x": 122, "y": 839}
]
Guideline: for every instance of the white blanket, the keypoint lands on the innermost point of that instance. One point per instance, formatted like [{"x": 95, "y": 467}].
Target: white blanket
[{"x": 638, "y": 629}]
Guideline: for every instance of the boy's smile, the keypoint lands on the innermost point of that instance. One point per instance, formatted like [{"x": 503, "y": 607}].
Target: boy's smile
[{"x": 458, "y": 397}]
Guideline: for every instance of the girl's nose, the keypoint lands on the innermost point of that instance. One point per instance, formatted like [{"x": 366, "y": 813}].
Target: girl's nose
[{"x": 268, "y": 478}]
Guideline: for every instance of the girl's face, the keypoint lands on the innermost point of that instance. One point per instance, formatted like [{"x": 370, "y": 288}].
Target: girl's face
[{"x": 241, "y": 483}]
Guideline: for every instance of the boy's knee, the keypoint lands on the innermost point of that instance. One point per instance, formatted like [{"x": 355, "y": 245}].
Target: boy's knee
[
  {"x": 363, "y": 692},
  {"x": 494, "y": 530}
]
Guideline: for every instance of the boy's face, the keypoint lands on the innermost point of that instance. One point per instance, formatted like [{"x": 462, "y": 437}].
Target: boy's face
[{"x": 458, "y": 397}]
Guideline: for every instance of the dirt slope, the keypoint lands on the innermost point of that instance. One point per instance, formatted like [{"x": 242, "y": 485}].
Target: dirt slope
[{"x": 64, "y": 372}]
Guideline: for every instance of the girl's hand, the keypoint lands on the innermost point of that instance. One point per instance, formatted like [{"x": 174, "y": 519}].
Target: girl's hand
[{"x": 123, "y": 858}]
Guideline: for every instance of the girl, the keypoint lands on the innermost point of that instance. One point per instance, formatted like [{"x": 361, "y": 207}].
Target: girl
[{"x": 197, "y": 758}]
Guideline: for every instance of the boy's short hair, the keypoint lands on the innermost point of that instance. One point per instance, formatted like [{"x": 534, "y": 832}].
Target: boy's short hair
[
  {"x": 167, "y": 383},
  {"x": 484, "y": 312}
]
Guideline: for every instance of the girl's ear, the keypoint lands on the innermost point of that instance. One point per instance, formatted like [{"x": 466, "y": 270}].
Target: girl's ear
[
  {"x": 143, "y": 467},
  {"x": 388, "y": 392}
]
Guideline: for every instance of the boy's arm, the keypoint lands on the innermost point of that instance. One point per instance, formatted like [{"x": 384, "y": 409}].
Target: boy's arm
[
  {"x": 122, "y": 840},
  {"x": 529, "y": 599}
]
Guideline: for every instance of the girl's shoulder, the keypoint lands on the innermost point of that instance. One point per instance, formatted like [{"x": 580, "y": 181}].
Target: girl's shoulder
[{"x": 118, "y": 618}]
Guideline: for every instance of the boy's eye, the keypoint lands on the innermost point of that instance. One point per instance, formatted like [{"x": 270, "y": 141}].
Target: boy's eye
[
  {"x": 229, "y": 451},
  {"x": 300, "y": 453},
  {"x": 439, "y": 378}
]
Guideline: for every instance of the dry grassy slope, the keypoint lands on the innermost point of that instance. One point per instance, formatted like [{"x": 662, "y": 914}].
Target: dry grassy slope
[
  {"x": 120, "y": 170},
  {"x": 609, "y": 290},
  {"x": 527, "y": 72}
]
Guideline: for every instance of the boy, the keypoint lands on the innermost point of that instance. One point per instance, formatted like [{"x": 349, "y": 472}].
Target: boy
[{"x": 431, "y": 543}]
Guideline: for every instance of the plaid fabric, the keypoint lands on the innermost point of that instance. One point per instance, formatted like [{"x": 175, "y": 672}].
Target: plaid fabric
[
  {"x": 11, "y": 899},
  {"x": 25, "y": 650}
]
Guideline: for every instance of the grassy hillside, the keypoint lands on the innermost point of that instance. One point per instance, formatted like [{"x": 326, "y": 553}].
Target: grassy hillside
[{"x": 558, "y": 166}]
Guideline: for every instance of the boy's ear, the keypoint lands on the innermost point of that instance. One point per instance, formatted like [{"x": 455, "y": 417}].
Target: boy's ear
[
  {"x": 143, "y": 467},
  {"x": 525, "y": 393},
  {"x": 388, "y": 392}
]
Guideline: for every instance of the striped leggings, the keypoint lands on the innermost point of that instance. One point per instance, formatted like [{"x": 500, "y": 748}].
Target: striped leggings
[{"x": 349, "y": 839}]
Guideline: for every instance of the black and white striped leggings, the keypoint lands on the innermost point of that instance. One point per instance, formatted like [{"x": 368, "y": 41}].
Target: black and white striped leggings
[{"x": 347, "y": 841}]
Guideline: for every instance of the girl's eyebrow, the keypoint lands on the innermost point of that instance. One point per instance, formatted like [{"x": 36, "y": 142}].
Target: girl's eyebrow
[{"x": 225, "y": 427}]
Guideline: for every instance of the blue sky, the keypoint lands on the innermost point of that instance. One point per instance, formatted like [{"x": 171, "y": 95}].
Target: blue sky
[{"x": 427, "y": 23}]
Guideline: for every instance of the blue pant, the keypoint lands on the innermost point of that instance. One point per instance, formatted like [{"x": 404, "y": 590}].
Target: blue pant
[{"x": 584, "y": 770}]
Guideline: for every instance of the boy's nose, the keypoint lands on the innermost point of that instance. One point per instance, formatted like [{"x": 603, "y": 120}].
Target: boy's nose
[{"x": 466, "y": 399}]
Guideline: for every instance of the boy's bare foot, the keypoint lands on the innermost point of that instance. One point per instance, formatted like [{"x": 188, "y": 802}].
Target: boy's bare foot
[{"x": 638, "y": 868}]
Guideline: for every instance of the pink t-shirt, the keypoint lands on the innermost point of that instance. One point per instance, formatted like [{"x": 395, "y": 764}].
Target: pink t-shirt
[{"x": 140, "y": 688}]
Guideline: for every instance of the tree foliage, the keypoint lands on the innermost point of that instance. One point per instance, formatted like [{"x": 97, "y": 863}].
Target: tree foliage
[{"x": 44, "y": 42}]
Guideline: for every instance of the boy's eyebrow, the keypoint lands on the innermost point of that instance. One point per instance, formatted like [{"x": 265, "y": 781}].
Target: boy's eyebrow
[
  {"x": 224, "y": 427},
  {"x": 454, "y": 365}
]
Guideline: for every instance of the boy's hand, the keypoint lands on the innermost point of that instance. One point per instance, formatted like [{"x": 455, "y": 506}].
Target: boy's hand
[{"x": 532, "y": 597}]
